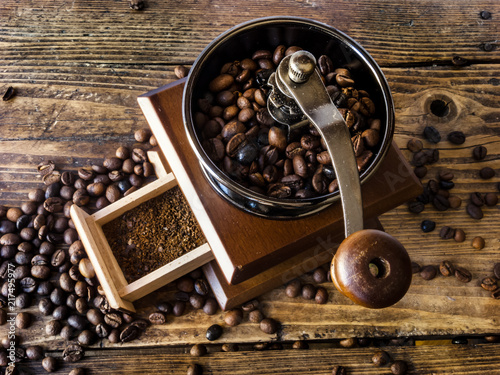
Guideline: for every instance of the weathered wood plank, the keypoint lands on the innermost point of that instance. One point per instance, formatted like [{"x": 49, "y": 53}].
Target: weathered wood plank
[{"x": 430, "y": 359}]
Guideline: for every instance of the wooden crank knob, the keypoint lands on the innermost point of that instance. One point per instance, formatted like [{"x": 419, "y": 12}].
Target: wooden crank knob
[{"x": 372, "y": 268}]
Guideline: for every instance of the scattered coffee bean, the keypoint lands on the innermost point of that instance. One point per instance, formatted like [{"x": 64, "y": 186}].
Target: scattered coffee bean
[
  {"x": 486, "y": 173},
  {"x": 479, "y": 152},
  {"x": 157, "y": 318},
  {"x": 23, "y": 320},
  {"x": 321, "y": 296},
  {"x": 455, "y": 202},
  {"x": 477, "y": 199},
  {"x": 230, "y": 347},
  {"x": 210, "y": 307},
  {"x": 214, "y": 332},
  {"x": 77, "y": 371},
  {"x": 415, "y": 267},
  {"x": 456, "y": 137},
  {"x": 9, "y": 94},
  {"x": 428, "y": 226},
  {"x": 446, "y": 268},
  {"x": 459, "y": 235},
  {"x": 255, "y": 316},
  {"x": 53, "y": 327},
  {"x": 250, "y": 305},
  {"x": 181, "y": 71},
  {"x": 34, "y": 352},
  {"x": 141, "y": 136},
  {"x": 136, "y": 4},
  {"x": 415, "y": 145},
  {"x": 269, "y": 326},
  {"x": 233, "y": 317},
  {"x": 198, "y": 350},
  {"x": 463, "y": 274},
  {"x": 308, "y": 291},
  {"x": 474, "y": 211},
  {"x": 447, "y": 233},
  {"x": 420, "y": 172},
  {"x": 194, "y": 369},
  {"x": 294, "y": 288},
  {"x": 432, "y": 134},
  {"x": 49, "y": 364},
  {"x": 350, "y": 342},
  {"x": 381, "y": 358},
  {"x": 319, "y": 275},
  {"x": 496, "y": 270},
  {"x": 441, "y": 203},
  {"x": 73, "y": 353},
  {"x": 478, "y": 243},
  {"x": 491, "y": 199},
  {"x": 399, "y": 367},
  {"x": 489, "y": 283},
  {"x": 428, "y": 272}
]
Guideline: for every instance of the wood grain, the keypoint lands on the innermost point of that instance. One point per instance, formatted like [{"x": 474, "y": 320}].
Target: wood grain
[{"x": 430, "y": 359}]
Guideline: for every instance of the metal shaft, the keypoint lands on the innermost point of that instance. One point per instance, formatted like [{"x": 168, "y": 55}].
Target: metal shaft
[{"x": 314, "y": 101}]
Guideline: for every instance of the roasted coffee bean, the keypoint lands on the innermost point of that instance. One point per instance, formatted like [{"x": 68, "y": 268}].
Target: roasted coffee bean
[
  {"x": 86, "y": 337},
  {"x": 157, "y": 318},
  {"x": 214, "y": 332},
  {"x": 77, "y": 371},
  {"x": 58, "y": 258},
  {"x": 60, "y": 312},
  {"x": 489, "y": 283},
  {"x": 321, "y": 296},
  {"x": 34, "y": 352},
  {"x": 491, "y": 199},
  {"x": 45, "y": 306},
  {"x": 477, "y": 199},
  {"x": 415, "y": 267},
  {"x": 478, "y": 243},
  {"x": 486, "y": 173},
  {"x": 294, "y": 288},
  {"x": 185, "y": 284},
  {"x": 73, "y": 353},
  {"x": 432, "y": 134},
  {"x": 255, "y": 316},
  {"x": 78, "y": 322},
  {"x": 164, "y": 307},
  {"x": 459, "y": 235},
  {"x": 456, "y": 137},
  {"x": 49, "y": 364},
  {"x": 446, "y": 268},
  {"x": 94, "y": 316},
  {"x": 428, "y": 272},
  {"x": 129, "y": 333},
  {"x": 496, "y": 270},
  {"x": 194, "y": 369},
  {"x": 198, "y": 350},
  {"x": 427, "y": 226},
  {"x": 250, "y": 305},
  {"x": 416, "y": 206},
  {"x": 447, "y": 233},
  {"x": 23, "y": 300},
  {"x": 197, "y": 301},
  {"x": 319, "y": 275},
  {"x": 440, "y": 203},
  {"x": 53, "y": 328},
  {"x": 463, "y": 274},
  {"x": 455, "y": 201},
  {"x": 381, "y": 358},
  {"x": 399, "y": 367},
  {"x": 113, "y": 319},
  {"x": 233, "y": 317},
  {"x": 210, "y": 307},
  {"x": 23, "y": 320},
  {"x": 178, "y": 308},
  {"x": 269, "y": 326},
  {"x": 479, "y": 152},
  {"x": 308, "y": 291},
  {"x": 474, "y": 211}
]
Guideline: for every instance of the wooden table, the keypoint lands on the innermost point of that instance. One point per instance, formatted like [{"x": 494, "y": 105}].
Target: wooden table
[{"x": 78, "y": 67}]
